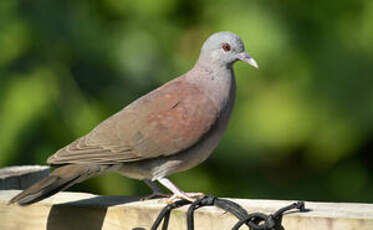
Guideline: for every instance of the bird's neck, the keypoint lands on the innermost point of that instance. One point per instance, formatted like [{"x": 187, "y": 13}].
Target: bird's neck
[{"x": 216, "y": 81}]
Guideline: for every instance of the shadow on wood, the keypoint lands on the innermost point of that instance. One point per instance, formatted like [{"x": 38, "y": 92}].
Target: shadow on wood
[
  {"x": 21, "y": 177},
  {"x": 83, "y": 214}
]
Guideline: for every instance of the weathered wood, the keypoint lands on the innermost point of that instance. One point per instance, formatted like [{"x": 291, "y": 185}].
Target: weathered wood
[
  {"x": 20, "y": 177},
  {"x": 69, "y": 210}
]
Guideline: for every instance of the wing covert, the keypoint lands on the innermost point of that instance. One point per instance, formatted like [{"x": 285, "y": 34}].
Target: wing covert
[{"x": 166, "y": 121}]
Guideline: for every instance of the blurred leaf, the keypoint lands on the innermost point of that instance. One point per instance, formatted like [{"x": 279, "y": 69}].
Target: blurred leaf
[
  {"x": 26, "y": 98},
  {"x": 14, "y": 39}
]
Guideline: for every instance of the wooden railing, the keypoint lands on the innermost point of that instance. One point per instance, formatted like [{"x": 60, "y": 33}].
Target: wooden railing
[{"x": 68, "y": 210}]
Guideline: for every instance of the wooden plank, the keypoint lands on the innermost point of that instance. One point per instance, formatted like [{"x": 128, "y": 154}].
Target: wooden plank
[
  {"x": 67, "y": 210},
  {"x": 21, "y": 177}
]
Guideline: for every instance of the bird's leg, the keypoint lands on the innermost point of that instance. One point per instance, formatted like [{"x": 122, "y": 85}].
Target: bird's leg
[
  {"x": 156, "y": 191},
  {"x": 178, "y": 193}
]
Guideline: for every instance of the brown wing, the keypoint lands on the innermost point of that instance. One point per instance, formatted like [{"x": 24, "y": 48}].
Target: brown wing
[{"x": 164, "y": 122}]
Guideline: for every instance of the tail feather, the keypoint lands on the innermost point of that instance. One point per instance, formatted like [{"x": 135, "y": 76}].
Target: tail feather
[{"x": 59, "y": 180}]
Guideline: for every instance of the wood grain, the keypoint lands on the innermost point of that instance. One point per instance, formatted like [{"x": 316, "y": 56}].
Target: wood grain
[{"x": 68, "y": 210}]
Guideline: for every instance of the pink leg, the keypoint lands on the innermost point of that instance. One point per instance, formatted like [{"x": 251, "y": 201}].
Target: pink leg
[{"x": 178, "y": 193}]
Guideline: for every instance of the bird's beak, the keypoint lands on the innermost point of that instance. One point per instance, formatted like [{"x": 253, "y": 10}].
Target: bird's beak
[{"x": 245, "y": 57}]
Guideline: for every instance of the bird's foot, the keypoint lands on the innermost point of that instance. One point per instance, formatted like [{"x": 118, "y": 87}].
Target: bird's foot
[
  {"x": 155, "y": 195},
  {"x": 178, "y": 193},
  {"x": 190, "y": 196}
]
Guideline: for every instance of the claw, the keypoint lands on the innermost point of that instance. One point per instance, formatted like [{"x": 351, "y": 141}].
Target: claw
[
  {"x": 178, "y": 193},
  {"x": 190, "y": 196}
]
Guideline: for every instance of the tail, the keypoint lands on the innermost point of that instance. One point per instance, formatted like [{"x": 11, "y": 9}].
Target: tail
[{"x": 59, "y": 180}]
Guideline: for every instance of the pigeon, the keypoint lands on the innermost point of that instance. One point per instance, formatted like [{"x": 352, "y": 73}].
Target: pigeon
[{"x": 171, "y": 129}]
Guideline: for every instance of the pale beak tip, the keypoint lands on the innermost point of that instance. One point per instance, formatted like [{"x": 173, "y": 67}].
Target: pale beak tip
[
  {"x": 253, "y": 63},
  {"x": 245, "y": 57}
]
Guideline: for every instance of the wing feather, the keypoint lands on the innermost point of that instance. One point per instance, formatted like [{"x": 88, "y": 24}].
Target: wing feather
[{"x": 166, "y": 121}]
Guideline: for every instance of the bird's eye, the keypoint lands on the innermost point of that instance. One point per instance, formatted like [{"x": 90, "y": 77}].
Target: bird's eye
[{"x": 226, "y": 47}]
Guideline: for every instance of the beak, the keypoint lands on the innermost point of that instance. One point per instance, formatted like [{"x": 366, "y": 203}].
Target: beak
[{"x": 245, "y": 57}]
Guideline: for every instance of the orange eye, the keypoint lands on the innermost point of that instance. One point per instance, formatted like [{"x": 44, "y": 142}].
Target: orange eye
[{"x": 226, "y": 47}]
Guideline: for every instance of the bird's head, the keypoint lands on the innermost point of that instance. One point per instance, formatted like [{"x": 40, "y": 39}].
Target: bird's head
[{"x": 225, "y": 48}]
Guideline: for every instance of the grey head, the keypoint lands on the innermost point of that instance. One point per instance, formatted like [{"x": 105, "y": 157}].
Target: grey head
[{"x": 225, "y": 48}]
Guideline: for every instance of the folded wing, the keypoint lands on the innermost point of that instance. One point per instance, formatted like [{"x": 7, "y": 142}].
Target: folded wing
[{"x": 166, "y": 121}]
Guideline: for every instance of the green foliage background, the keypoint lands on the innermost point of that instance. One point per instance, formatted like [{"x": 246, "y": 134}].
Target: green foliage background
[{"x": 302, "y": 127}]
